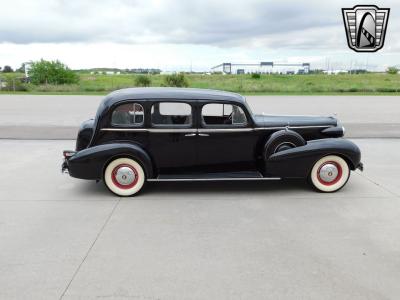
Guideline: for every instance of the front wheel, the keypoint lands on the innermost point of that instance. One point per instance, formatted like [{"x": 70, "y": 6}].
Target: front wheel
[
  {"x": 330, "y": 174},
  {"x": 124, "y": 177}
]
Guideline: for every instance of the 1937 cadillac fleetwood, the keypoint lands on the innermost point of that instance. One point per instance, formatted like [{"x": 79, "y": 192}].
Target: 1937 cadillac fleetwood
[{"x": 171, "y": 134}]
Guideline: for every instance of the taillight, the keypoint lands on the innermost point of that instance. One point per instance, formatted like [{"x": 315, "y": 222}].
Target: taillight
[{"x": 68, "y": 154}]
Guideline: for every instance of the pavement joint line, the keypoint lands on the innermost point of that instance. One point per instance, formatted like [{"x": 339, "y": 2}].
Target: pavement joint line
[
  {"x": 35, "y": 139},
  {"x": 90, "y": 249},
  {"x": 62, "y": 200},
  {"x": 379, "y": 185}
]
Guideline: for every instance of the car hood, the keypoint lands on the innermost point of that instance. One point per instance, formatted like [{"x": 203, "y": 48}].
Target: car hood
[{"x": 283, "y": 121}]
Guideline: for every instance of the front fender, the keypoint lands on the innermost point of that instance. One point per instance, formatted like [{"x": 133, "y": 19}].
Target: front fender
[
  {"x": 90, "y": 163},
  {"x": 298, "y": 162}
]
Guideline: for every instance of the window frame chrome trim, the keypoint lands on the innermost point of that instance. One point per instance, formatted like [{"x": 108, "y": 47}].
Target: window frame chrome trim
[
  {"x": 131, "y": 124},
  {"x": 191, "y": 115},
  {"x": 238, "y": 125}
]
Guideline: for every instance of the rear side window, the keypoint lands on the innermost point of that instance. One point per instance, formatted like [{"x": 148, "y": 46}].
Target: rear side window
[
  {"x": 223, "y": 114},
  {"x": 130, "y": 114},
  {"x": 171, "y": 113}
]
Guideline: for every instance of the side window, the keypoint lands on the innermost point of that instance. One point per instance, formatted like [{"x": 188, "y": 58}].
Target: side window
[
  {"x": 128, "y": 114},
  {"x": 171, "y": 113},
  {"x": 223, "y": 114}
]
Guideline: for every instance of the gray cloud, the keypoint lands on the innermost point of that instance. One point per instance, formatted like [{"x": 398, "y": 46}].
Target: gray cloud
[{"x": 312, "y": 23}]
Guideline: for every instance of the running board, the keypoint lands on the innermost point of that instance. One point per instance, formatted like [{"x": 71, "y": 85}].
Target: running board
[{"x": 233, "y": 176}]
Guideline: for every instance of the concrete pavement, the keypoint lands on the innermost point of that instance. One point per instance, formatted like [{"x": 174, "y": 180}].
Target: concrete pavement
[
  {"x": 71, "y": 239},
  {"x": 58, "y": 117},
  {"x": 64, "y": 238}
]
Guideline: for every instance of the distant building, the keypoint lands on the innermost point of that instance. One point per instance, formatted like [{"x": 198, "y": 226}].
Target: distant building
[
  {"x": 262, "y": 68},
  {"x": 335, "y": 72},
  {"x": 112, "y": 72},
  {"x": 145, "y": 71}
]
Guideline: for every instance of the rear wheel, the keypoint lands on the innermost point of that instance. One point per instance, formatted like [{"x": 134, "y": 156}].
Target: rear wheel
[
  {"x": 330, "y": 174},
  {"x": 124, "y": 177}
]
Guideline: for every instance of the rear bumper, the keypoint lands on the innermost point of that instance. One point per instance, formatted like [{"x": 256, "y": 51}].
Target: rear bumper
[{"x": 65, "y": 166}]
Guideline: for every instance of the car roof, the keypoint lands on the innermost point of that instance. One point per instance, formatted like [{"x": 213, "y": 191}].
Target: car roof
[{"x": 166, "y": 93}]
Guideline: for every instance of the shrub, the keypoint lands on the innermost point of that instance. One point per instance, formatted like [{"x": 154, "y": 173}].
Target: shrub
[
  {"x": 177, "y": 80},
  {"x": 13, "y": 84},
  {"x": 255, "y": 76},
  {"x": 56, "y": 88},
  {"x": 51, "y": 72},
  {"x": 142, "y": 80},
  {"x": 386, "y": 90},
  {"x": 392, "y": 70}
]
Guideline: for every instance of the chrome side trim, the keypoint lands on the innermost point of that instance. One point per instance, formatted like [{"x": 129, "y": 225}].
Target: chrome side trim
[
  {"x": 208, "y": 130},
  {"x": 157, "y": 130},
  {"x": 293, "y": 127},
  {"x": 268, "y": 128},
  {"x": 294, "y": 115},
  {"x": 172, "y": 130},
  {"x": 317, "y": 126},
  {"x": 213, "y": 179},
  {"x": 125, "y": 129}
]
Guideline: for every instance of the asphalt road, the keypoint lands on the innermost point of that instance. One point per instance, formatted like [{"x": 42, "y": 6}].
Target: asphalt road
[
  {"x": 65, "y": 238},
  {"x": 58, "y": 117}
]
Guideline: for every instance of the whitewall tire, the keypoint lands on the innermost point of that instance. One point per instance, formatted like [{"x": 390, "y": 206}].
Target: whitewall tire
[
  {"x": 330, "y": 174},
  {"x": 124, "y": 177}
]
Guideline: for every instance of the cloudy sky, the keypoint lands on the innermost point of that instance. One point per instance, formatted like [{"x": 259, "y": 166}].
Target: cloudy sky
[{"x": 180, "y": 34}]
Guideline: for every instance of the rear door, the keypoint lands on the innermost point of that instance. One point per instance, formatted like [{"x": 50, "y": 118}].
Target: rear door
[{"x": 173, "y": 136}]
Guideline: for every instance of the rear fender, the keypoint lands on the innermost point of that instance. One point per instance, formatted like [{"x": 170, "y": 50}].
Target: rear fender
[
  {"x": 298, "y": 162},
  {"x": 90, "y": 163}
]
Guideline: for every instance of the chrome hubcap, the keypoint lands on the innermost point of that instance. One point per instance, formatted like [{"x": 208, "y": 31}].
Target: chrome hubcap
[
  {"x": 328, "y": 172},
  {"x": 125, "y": 176}
]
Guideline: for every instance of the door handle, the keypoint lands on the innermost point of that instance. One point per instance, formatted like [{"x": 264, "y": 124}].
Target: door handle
[
  {"x": 190, "y": 134},
  {"x": 204, "y": 134}
]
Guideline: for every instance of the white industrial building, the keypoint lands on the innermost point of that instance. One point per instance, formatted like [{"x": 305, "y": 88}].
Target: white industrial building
[{"x": 262, "y": 68}]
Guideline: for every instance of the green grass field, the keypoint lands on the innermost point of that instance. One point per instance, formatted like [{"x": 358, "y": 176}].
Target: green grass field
[{"x": 371, "y": 83}]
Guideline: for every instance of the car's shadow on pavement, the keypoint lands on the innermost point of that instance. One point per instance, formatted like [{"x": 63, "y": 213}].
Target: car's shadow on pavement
[
  {"x": 225, "y": 187},
  {"x": 205, "y": 188}
]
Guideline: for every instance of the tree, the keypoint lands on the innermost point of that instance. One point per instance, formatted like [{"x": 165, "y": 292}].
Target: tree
[
  {"x": 51, "y": 72},
  {"x": 21, "y": 69},
  {"x": 7, "y": 69},
  {"x": 392, "y": 70}
]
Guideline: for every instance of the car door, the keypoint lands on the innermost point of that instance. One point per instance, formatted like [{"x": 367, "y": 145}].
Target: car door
[
  {"x": 173, "y": 136},
  {"x": 226, "y": 140}
]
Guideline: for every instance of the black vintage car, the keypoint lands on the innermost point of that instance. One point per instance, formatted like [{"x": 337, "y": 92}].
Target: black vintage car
[{"x": 171, "y": 134}]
